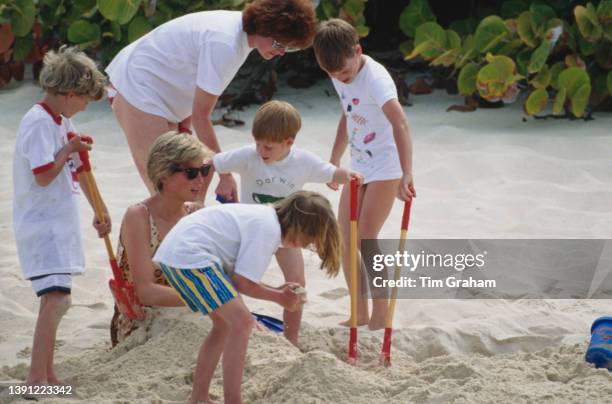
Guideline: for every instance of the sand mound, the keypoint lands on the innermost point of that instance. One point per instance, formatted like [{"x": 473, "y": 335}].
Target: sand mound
[{"x": 156, "y": 363}]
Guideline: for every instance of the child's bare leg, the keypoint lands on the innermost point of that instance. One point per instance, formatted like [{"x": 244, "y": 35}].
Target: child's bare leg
[
  {"x": 51, "y": 377},
  {"x": 345, "y": 230},
  {"x": 208, "y": 357},
  {"x": 376, "y": 205},
  {"x": 291, "y": 263},
  {"x": 53, "y": 306},
  {"x": 234, "y": 355},
  {"x": 141, "y": 129}
]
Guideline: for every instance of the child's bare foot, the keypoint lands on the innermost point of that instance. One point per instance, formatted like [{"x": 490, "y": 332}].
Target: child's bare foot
[
  {"x": 53, "y": 380},
  {"x": 360, "y": 322},
  {"x": 376, "y": 324}
]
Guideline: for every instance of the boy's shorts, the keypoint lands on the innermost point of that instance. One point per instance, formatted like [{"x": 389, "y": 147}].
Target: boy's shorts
[
  {"x": 202, "y": 289},
  {"x": 51, "y": 283}
]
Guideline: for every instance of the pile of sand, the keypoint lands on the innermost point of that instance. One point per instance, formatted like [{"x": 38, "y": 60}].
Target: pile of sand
[{"x": 155, "y": 364}]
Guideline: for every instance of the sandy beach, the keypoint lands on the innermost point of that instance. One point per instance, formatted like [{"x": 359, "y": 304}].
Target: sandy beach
[{"x": 486, "y": 174}]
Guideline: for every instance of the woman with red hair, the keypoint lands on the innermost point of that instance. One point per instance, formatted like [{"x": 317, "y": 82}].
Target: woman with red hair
[{"x": 171, "y": 78}]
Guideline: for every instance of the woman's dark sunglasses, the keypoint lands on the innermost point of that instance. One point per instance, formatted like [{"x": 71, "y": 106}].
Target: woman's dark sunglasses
[{"x": 192, "y": 173}]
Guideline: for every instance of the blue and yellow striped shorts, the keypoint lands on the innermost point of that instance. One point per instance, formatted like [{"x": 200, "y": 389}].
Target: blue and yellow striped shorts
[{"x": 202, "y": 289}]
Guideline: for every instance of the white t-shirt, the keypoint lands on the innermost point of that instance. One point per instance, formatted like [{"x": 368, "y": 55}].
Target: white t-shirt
[
  {"x": 159, "y": 72},
  {"x": 373, "y": 150},
  {"x": 46, "y": 219},
  {"x": 236, "y": 236},
  {"x": 266, "y": 183}
]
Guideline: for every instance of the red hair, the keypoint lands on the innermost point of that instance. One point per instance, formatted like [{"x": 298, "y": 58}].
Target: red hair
[{"x": 291, "y": 22}]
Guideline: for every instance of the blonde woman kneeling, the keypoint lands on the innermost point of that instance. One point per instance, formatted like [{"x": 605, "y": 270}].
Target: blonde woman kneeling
[{"x": 177, "y": 165}]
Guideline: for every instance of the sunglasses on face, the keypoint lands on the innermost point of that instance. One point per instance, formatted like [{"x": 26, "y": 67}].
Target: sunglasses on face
[
  {"x": 287, "y": 49},
  {"x": 192, "y": 173}
]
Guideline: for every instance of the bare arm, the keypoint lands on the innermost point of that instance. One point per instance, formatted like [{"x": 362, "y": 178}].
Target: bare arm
[
  {"x": 102, "y": 229},
  {"x": 203, "y": 105},
  {"x": 395, "y": 114},
  {"x": 337, "y": 151},
  {"x": 283, "y": 295},
  {"x": 341, "y": 141},
  {"x": 74, "y": 145},
  {"x": 344, "y": 176},
  {"x": 135, "y": 225}
]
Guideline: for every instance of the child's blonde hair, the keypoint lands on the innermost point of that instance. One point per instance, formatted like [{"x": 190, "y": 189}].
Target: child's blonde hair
[
  {"x": 334, "y": 43},
  {"x": 276, "y": 121},
  {"x": 308, "y": 217},
  {"x": 170, "y": 150},
  {"x": 70, "y": 70}
]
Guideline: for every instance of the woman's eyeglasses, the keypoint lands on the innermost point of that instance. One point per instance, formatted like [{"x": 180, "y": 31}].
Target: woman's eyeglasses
[
  {"x": 287, "y": 49},
  {"x": 191, "y": 172}
]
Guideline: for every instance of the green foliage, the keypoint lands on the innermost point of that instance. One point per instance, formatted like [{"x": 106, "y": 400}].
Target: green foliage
[
  {"x": 577, "y": 85},
  {"x": 538, "y": 58},
  {"x": 418, "y": 12},
  {"x": 138, "y": 27},
  {"x": 429, "y": 41},
  {"x": 557, "y": 52},
  {"x": 83, "y": 33},
  {"x": 536, "y": 101},
  {"x": 350, "y": 10},
  {"x": 512, "y": 8},
  {"x": 22, "y": 13},
  {"x": 121, "y": 11},
  {"x": 489, "y": 33},
  {"x": 496, "y": 77},
  {"x": 559, "y": 101},
  {"x": 466, "y": 83},
  {"x": 525, "y": 29},
  {"x": 588, "y": 22},
  {"x": 542, "y": 79},
  {"x": 22, "y": 47}
]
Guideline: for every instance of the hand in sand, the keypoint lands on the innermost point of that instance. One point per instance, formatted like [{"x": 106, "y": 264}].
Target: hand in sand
[{"x": 289, "y": 299}]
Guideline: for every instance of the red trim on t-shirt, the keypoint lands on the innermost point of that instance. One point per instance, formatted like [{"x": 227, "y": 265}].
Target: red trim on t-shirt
[
  {"x": 56, "y": 118},
  {"x": 43, "y": 168}
]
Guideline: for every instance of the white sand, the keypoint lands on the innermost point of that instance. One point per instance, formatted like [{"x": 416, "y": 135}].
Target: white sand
[{"x": 485, "y": 174}]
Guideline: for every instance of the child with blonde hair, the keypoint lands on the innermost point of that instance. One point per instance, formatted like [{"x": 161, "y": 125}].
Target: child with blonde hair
[
  {"x": 272, "y": 169},
  {"x": 374, "y": 124},
  {"x": 46, "y": 179},
  {"x": 240, "y": 239}
]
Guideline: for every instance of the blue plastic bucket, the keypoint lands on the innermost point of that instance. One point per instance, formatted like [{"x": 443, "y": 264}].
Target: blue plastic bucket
[{"x": 599, "y": 352}]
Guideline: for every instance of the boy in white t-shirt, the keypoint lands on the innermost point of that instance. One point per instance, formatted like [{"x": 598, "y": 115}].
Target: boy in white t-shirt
[
  {"x": 272, "y": 169},
  {"x": 374, "y": 124},
  {"x": 214, "y": 253},
  {"x": 46, "y": 177}
]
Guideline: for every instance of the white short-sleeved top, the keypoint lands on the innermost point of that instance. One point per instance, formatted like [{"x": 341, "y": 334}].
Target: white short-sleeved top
[
  {"x": 266, "y": 183},
  {"x": 239, "y": 237},
  {"x": 373, "y": 150},
  {"x": 159, "y": 72},
  {"x": 46, "y": 219}
]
